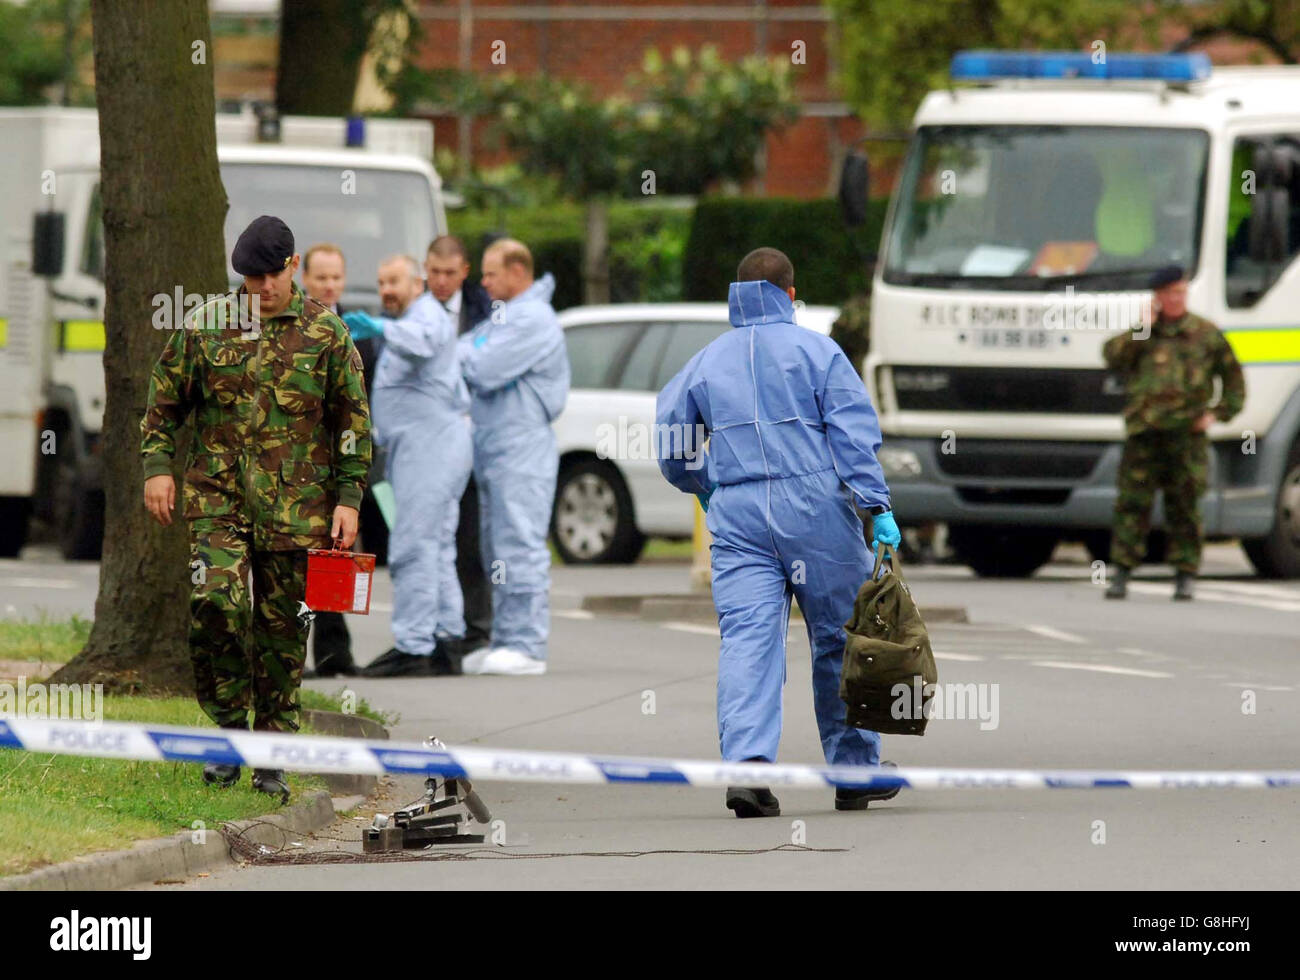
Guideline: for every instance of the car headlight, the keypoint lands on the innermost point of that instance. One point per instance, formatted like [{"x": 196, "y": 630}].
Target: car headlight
[{"x": 899, "y": 462}]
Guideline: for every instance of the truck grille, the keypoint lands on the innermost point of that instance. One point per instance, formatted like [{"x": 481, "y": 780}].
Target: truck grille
[
  {"x": 1073, "y": 391},
  {"x": 1026, "y": 459}
]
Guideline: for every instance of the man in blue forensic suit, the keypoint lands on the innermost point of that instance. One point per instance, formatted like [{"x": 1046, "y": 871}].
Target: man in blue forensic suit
[
  {"x": 421, "y": 411},
  {"x": 793, "y": 441},
  {"x": 517, "y": 369}
]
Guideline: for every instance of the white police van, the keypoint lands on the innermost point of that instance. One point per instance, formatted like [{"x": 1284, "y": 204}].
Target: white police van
[
  {"x": 364, "y": 184},
  {"x": 1032, "y": 207}
]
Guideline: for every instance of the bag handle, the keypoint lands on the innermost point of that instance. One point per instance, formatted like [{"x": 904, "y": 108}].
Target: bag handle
[{"x": 886, "y": 553}]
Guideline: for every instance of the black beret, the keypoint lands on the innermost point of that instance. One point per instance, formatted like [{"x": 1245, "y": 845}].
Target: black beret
[
  {"x": 1163, "y": 276},
  {"x": 264, "y": 248}
]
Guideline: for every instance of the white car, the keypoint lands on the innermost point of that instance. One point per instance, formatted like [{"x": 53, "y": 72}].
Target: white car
[{"x": 610, "y": 495}]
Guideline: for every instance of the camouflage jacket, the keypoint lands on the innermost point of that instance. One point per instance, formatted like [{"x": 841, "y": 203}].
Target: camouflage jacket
[
  {"x": 1169, "y": 376},
  {"x": 282, "y": 425}
]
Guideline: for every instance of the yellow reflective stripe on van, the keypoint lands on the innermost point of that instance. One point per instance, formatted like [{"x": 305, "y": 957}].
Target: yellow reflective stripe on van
[
  {"x": 1265, "y": 346},
  {"x": 4, "y": 331},
  {"x": 83, "y": 335}
]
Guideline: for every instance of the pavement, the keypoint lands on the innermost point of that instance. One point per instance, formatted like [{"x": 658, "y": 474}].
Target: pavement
[{"x": 1080, "y": 683}]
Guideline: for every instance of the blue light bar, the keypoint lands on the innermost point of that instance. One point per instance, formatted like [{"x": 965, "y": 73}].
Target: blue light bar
[{"x": 982, "y": 66}]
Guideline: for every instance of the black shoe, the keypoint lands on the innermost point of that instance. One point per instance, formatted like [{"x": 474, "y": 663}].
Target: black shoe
[
  {"x": 447, "y": 656},
  {"x": 753, "y": 801},
  {"x": 1118, "y": 584},
  {"x": 1183, "y": 586},
  {"x": 331, "y": 670},
  {"x": 858, "y": 799},
  {"x": 272, "y": 782},
  {"x": 395, "y": 663},
  {"x": 220, "y": 774}
]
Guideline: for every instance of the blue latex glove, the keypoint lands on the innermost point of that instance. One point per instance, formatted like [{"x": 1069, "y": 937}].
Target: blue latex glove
[
  {"x": 362, "y": 325},
  {"x": 884, "y": 529},
  {"x": 703, "y": 498}
]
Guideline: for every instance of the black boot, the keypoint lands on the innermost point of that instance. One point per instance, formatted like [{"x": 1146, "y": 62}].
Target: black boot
[
  {"x": 396, "y": 663},
  {"x": 220, "y": 774},
  {"x": 1183, "y": 586},
  {"x": 331, "y": 648},
  {"x": 858, "y": 799},
  {"x": 1118, "y": 584},
  {"x": 272, "y": 782},
  {"x": 753, "y": 801},
  {"x": 447, "y": 655}
]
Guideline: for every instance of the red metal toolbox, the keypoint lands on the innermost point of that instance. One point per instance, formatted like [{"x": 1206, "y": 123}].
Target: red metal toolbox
[{"x": 339, "y": 581}]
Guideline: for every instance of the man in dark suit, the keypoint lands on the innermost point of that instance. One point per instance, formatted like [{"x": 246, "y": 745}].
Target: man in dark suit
[
  {"x": 323, "y": 277},
  {"x": 446, "y": 269}
]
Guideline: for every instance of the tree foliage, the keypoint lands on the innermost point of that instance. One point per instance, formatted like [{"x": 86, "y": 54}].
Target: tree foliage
[
  {"x": 891, "y": 52},
  {"x": 691, "y": 118},
  {"x": 32, "y": 50}
]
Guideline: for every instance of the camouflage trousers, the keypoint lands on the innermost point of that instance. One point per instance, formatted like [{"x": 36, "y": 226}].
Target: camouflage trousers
[
  {"x": 1177, "y": 463},
  {"x": 247, "y": 646}
]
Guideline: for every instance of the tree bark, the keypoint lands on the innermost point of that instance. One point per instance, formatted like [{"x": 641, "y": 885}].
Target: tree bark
[
  {"x": 163, "y": 206},
  {"x": 322, "y": 43},
  {"x": 595, "y": 258}
]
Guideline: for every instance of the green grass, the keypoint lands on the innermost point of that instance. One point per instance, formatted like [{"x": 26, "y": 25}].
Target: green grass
[
  {"x": 320, "y": 701},
  {"x": 43, "y": 640},
  {"x": 54, "y": 808},
  {"x": 666, "y": 548}
]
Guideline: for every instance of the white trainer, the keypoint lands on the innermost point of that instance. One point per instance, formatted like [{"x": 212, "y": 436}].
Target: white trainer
[
  {"x": 506, "y": 660},
  {"x": 472, "y": 663}
]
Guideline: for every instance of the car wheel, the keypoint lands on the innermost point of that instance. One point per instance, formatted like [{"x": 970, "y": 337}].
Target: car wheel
[
  {"x": 998, "y": 552},
  {"x": 593, "y": 522},
  {"x": 1278, "y": 555}
]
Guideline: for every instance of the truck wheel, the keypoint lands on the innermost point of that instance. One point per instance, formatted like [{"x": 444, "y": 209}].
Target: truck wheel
[
  {"x": 593, "y": 521},
  {"x": 14, "y": 512},
  {"x": 82, "y": 537},
  {"x": 1002, "y": 552},
  {"x": 1278, "y": 555}
]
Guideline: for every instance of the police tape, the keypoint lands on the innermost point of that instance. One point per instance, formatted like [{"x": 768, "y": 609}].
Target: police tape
[{"x": 324, "y": 754}]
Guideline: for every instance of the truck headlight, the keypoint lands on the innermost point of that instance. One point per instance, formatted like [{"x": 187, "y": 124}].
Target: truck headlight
[{"x": 899, "y": 462}]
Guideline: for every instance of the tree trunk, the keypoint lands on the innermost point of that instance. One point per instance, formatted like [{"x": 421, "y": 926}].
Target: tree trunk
[
  {"x": 595, "y": 257},
  {"x": 322, "y": 43},
  {"x": 164, "y": 205}
]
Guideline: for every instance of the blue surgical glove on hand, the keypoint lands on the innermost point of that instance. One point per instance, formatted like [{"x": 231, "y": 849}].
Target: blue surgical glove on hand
[
  {"x": 703, "y": 498},
  {"x": 362, "y": 325},
  {"x": 885, "y": 530}
]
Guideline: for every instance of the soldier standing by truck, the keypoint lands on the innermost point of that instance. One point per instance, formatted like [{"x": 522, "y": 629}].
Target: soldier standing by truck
[
  {"x": 1169, "y": 380},
  {"x": 278, "y": 465}
]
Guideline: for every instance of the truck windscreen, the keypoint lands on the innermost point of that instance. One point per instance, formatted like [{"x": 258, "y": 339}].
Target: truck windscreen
[
  {"x": 369, "y": 216},
  {"x": 1040, "y": 207}
]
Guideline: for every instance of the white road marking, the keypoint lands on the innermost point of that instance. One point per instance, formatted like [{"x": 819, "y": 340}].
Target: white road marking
[
  {"x": 574, "y": 614},
  {"x": 944, "y": 655},
  {"x": 1055, "y": 634},
  {"x": 1100, "y": 668},
  {"x": 692, "y": 628},
  {"x": 39, "y": 583},
  {"x": 1259, "y": 687},
  {"x": 1257, "y": 589},
  {"x": 1208, "y": 594}
]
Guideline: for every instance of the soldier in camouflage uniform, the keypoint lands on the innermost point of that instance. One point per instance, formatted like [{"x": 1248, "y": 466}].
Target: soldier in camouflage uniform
[
  {"x": 277, "y": 465},
  {"x": 1169, "y": 378}
]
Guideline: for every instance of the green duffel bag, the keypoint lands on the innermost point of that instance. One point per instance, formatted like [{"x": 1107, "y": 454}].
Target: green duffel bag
[{"x": 889, "y": 671}]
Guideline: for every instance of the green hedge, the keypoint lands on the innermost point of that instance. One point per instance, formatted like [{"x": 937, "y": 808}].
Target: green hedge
[
  {"x": 646, "y": 246},
  {"x": 828, "y": 267}
]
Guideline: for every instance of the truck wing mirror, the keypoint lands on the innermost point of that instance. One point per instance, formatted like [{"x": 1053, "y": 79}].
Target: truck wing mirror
[
  {"x": 855, "y": 181},
  {"x": 47, "y": 243}
]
